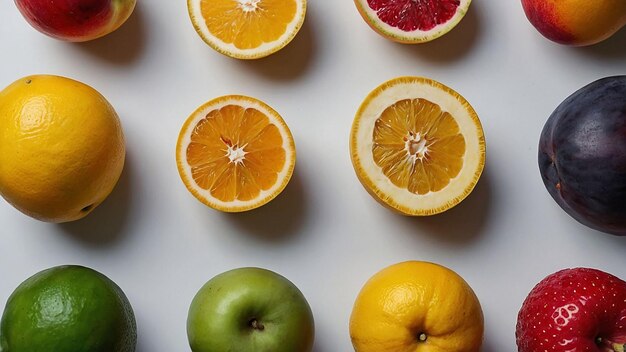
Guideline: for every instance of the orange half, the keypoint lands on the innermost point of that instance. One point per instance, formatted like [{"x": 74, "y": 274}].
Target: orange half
[
  {"x": 235, "y": 153},
  {"x": 247, "y": 29},
  {"x": 417, "y": 146}
]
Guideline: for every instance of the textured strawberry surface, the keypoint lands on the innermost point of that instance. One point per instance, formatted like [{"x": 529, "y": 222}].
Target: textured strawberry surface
[
  {"x": 412, "y": 15},
  {"x": 574, "y": 310}
]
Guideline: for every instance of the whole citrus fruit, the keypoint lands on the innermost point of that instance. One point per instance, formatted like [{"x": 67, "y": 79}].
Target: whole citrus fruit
[
  {"x": 416, "y": 306},
  {"x": 68, "y": 309},
  {"x": 62, "y": 147}
]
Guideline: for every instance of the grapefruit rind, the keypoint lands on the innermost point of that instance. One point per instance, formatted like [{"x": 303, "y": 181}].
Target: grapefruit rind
[
  {"x": 203, "y": 195},
  {"x": 230, "y": 50},
  {"x": 371, "y": 175},
  {"x": 412, "y": 37}
]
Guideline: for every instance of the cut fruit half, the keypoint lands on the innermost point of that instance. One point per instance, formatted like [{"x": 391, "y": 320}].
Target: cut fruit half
[
  {"x": 247, "y": 29},
  {"x": 235, "y": 153},
  {"x": 417, "y": 146},
  {"x": 412, "y": 21}
]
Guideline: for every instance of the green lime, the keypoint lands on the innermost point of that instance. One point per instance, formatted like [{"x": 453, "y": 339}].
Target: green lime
[{"x": 68, "y": 309}]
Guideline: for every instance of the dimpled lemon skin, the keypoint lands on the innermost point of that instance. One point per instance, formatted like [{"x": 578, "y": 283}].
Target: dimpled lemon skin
[
  {"x": 62, "y": 147},
  {"x": 68, "y": 309},
  {"x": 416, "y": 307}
]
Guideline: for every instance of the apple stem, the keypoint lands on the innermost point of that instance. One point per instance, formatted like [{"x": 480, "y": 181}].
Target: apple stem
[{"x": 256, "y": 325}]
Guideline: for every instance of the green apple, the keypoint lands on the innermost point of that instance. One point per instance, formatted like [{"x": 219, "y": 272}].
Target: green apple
[{"x": 250, "y": 310}]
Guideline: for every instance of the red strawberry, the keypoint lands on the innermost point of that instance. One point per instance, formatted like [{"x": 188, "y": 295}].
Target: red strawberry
[{"x": 574, "y": 310}]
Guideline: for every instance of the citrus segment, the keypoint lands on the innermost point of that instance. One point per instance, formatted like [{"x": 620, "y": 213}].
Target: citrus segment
[
  {"x": 247, "y": 29},
  {"x": 431, "y": 139},
  {"x": 235, "y": 153},
  {"x": 248, "y": 24},
  {"x": 417, "y": 146},
  {"x": 412, "y": 21}
]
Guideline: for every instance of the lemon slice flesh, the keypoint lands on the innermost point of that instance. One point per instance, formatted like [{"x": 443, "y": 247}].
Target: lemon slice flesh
[{"x": 417, "y": 146}]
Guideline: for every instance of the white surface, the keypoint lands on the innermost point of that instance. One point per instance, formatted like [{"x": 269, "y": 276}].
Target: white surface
[{"x": 325, "y": 233}]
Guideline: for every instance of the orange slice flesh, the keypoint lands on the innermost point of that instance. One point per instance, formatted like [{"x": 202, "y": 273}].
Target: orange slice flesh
[
  {"x": 247, "y": 29},
  {"x": 235, "y": 153},
  {"x": 417, "y": 146}
]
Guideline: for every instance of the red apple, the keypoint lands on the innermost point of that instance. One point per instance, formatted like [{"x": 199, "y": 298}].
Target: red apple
[
  {"x": 76, "y": 20},
  {"x": 574, "y": 310}
]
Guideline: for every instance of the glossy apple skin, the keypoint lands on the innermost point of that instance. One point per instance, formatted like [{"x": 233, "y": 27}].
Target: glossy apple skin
[
  {"x": 576, "y": 22},
  {"x": 578, "y": 310},
  {"x": 582, "y": 155},
  {"x": 250, "y": 310},
  {"x": 76, "y": 20}
]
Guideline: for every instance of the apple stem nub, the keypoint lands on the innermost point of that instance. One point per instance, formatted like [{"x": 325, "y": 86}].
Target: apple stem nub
[
  {"x": 256, "y": 325},
  {"x": 422, "y": 337}
]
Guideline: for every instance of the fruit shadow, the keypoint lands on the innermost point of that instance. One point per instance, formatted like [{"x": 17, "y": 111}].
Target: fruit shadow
[
  {"x": 279, "y": 219},
  {"x": 141, "y": 346},
  {"x": 608, "y": 239},
  {"x": 124, "y": 45},
  {"x": 463, "y": 223},
  {"x": 290, "y": 62},
  {"x": 106, "y": 224},
  {"x": 612, "y": 48},
  {"x": 487, "y": 347},
  {"x": 143, "y": 343},
  {"x": 317, "y": 348},
  {"x": 454, "y": 45}
]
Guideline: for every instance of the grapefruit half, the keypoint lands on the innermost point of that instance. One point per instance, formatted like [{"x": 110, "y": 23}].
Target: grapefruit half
[
  {"x": 417, "y": 146},
  {"x": 412, "y": 21}
]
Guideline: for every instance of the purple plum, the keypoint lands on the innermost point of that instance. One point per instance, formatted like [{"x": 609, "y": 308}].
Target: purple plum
[{"x": 582, "y": 155}]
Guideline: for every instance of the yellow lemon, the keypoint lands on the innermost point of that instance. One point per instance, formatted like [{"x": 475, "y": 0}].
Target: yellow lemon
[
  {"x": 416, "y": 307},
  {"x": 62, "y": 147}
]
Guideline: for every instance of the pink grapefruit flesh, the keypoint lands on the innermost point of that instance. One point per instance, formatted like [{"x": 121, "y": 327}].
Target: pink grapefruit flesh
[
  {"x": 411, "y": 15},
  {"x": 412, "y": 21}
]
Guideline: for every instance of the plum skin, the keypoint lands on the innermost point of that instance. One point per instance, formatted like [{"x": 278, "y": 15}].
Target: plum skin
[{"x": 582, "y": 155}]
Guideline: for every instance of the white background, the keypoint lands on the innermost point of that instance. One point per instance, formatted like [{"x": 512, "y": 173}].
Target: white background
[{"x": 325, "y": 233}]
